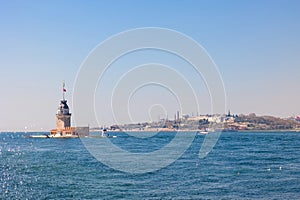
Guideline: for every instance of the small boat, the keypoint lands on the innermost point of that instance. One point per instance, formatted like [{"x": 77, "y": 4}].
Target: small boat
[
  {"x": 105, "y": 134},
  {"x": 53, "y": 136},
  {"x": 37, "y": 136},
  {"x": 203, "y": 132}
]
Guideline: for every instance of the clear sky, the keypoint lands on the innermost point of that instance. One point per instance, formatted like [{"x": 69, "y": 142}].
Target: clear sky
[{"x": 255, "y": 44}]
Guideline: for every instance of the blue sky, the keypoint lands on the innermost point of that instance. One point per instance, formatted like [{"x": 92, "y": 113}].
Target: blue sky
[{"x": 255, "y": 45}]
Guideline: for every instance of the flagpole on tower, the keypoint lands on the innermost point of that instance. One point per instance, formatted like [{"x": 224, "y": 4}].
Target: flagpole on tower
[{"x": 64, "y": 90}]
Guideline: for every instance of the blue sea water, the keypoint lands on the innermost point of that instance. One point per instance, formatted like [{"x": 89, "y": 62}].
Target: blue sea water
[{"x": 241, "y": 166}]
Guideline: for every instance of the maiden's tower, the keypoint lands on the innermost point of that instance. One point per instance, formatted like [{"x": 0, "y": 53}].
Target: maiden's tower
[{"x": 63, "y": 121}]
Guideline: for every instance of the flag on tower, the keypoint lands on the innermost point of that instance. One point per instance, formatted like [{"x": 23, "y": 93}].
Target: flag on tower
[{"x": 64, "y": 89}]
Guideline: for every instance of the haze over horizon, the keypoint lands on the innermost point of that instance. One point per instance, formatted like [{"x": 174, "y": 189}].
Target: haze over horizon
[{"x": 255, "y": 45}]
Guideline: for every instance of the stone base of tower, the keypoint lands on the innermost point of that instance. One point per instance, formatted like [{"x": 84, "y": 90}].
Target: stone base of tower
[{"x": 70, "y": 132}]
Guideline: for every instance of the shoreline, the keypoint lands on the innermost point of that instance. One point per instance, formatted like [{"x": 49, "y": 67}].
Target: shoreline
[{"x": 227, "y": 131}]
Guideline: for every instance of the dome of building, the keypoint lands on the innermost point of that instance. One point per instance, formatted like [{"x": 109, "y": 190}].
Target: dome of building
[{"x": 63, "y": 108}]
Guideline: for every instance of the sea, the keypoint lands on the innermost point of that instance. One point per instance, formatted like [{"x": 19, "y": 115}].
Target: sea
[{"x": 242, "y": 165}]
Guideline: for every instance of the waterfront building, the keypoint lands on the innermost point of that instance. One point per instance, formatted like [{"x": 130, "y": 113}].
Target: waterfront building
[{"x": 63, "y": 122}]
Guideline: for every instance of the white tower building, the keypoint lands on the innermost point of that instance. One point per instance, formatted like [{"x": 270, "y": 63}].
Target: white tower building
[{"x": 63, "y": 122}]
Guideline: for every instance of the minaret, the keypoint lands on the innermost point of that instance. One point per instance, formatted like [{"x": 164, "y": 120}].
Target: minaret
[{"x": 63, "y": 117}]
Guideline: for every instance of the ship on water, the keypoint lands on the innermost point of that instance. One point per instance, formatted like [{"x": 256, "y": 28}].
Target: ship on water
[{"x": 63, "y": 123}]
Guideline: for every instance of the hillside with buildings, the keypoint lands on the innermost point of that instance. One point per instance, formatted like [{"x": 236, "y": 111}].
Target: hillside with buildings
[{"x": 214, "y": 122}]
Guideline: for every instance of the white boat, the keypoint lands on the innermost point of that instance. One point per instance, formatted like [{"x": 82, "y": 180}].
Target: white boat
[
  {"x": 105, "y": 134},
  {"x": 38, "y": 136},
  {"x": 53, "y": 136},
  {"x": 203, "y": 132}
]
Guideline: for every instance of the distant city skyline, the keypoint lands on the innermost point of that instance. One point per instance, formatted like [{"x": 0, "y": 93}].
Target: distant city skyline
[{"x": 255, "y": 45}]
